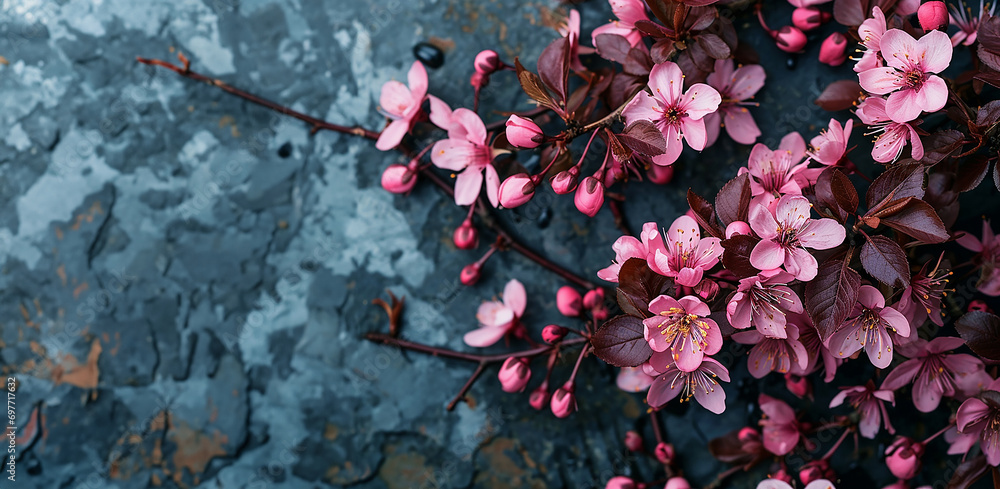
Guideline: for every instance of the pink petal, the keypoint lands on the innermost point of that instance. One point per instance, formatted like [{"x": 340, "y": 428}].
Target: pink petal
[
  {"x": 674, "y": 147},
  {"x": 899, "y": 49},
  {"x": 713, "y": 339},
  {"x": 762, "y": 222},
  {"x": 800, "y": 263},
  {"x": 666, "y": 81},
  {"x": 897, "y": 320},
  {"x": 687, "y": 356},
  {"x": 713, "y": 126},
  {"x": 474, "y": 127},
  {"x": 880, "y": 350},
  {"x": 774, "y": 484},
  {"x": 767, "y": 255},
  {"x": 441, "y": 114},
  {"x": 793, "y": 303},
  {"x": 713, "y": 400},
  {"x": 870, "y": 421},
  {"x": 970, "y": 242},
  {"x": 453, "y": 154},
  {"x": 777, "y": 411},
  {"x": 936, "y": 49},
  {"x": 467, "y": 186},
  {"x": 845, "y": 341},
  {"x": 971, "y": 411},
  {"x": 417, "y": 79},
  {"x": 711, "y": 366},
  {"x": 663, "y": 303},
  {"x": 740, "y": 125},
  {"x": 771, "y": 326},
  {"x": 793, "y": 210},
  {"x": 484, "y": 337},
  {"x": 721, "y": 75},
  {"x": 492, "y": 185},
  {"x": 494, "y": 314},
  {"x": 822, "y": 234},
  {"x": 880, "y": 81},
  {"x": 631, "y": 379},
  {"x": 903, "y": 106},
  {"x": 700, "y": 100},
  {"x": 694, "y": 133},
  {"x": 738, "y": 311},
  {"x": 902, "y": 375},
  {"x": 890, "y": 144},
  {"x": 944, "y": 343},
  {"x": 690, "y": 276},
  {"x": 514, "y": 297},
  {"x": 932, "y": 94},
  {"x": 963, "y": 364},
  {"x": 392, "y": 134},
  {"x": 395, "y": 98},
  {"x": 870, "y": 297},
  {"x": 927, "y": 393},
  {"x": 760, "y": 362},
  {"x": 642, "y": 107},
  {"x": 794, "y": 144},
  {"x": 664, "y": 389},
  {"x": 840, "y": 397},
  {"x": 683, "y": 235},
  {"x": 747, "y": 80}
]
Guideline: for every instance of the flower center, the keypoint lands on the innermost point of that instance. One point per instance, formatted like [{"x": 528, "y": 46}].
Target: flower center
[
  {"x": 788, "y": 235},
  {"x": 914, "y": 79},
  {"x": 674, "y": 114},
  {"x": 681, "y": 325}
]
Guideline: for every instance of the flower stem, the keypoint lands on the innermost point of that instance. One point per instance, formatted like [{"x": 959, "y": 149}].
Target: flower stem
[
  {"x": 579, "y": 360},
  {"x": 939, "y": 433},
  {"x": 835, "y": 446}
]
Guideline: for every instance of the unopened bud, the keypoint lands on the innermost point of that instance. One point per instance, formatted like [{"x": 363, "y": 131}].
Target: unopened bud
[
  {"x": 466, "y": 237},
  {"x": 737, "y": 227},
  {"x": 516, "y": 190},
  {"x": 833, "y": 51},
  {"x": 790, "y": 39},
  {"x": 620, "y": 482},
  {"x": 633, "y": 441},
  {"x": 523, "y": 133},
  {"x": 816, "y": 470},
  {"x": 552, "y": 334},
  {"x": 665, "y": 453},
  {"x": 487, "y": 61},
  {"x": 677, "y": 483},
  {"x": 593, "y": 299},
  {"x": 398, "y": 179},
  {"x": 471, "y": 274},
  {"x": 798, "y": 385},
  {"x": 563, "y": 401},
  {"x": 514, "y": 374},
  {"x": 565, "y": 181},
  {"x": 539, "y": 397},
  {"x": 933, "y": 15},
  {"x": 809, "y": 18},
  {"x": 568, "y": 301},
  {"x": 904, "y": 457},
  {"x": 589, "y": 196}
]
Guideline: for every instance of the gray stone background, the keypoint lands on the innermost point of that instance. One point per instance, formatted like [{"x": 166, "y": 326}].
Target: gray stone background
[{"x": 186, "y": 276}]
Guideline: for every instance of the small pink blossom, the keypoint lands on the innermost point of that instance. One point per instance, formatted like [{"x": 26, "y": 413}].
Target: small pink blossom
[
  {"x": 968, "y": 22},
  {"x": 978, "y": 419},
  {"x": 904, "y": 457},
  {"x": 870, "y": 404},
  {"x": 627, "y": 247},
  {"x": 628, "y": 12},
  {"x": 761, "y": 301},
  {"x": 681, "y": 326},
  {"x": 815, "y": 349},
  {"x": 735, "y": 87},
  {"x": 871, "y": 32},
  {"x": 465, "y": 150},
  {"x": 868, "y": 328},
  {"x": 570, "y": 29},
  {"x": 633, "y": 379},
  {"x": 781, "y": 429},
  {"x": 988, "y": 258},
  {"x": 892, "y": 135},
  {"x": 497, "y": 318},
  {"x": 773, "y": 354},
  {"x": 402, "y": 104},
  {"x": 909, "y": 77},
  {"x": 676, "y": 113},
  {"x": 933, "y": 372},
  {"x": 787, "y": 231},
  {"x": 831, "y": 145},
  {"x": 778, "y": 172},
  {"x": 686, "y": 255},
  {"x": 702, "y": 383},
  {"x": 922, "y": 299}
]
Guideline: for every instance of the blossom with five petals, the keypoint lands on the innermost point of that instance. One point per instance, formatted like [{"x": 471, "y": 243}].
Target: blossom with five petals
[
  {"x": 870, "y": 404},
  {"x": 735, "y": 87},
  {"x": 933, "y": 372},
  {"x": 894, "y": 135},
  {"x": 762, "y": 301},
  {"x": 773, "y": 354},
  {"x": 686, "y": 255},
  {"x": 871, "y": 32},
  {"x": 627, "y": 247},
  {"x": 910, "y": 78},
  {"x": 978, "y": 419},
  {"x": 681, "y": 326},
  {"x": 702, "y": 383},
  {"x": 628, "y": 12},
  {"x": 497, "y": 318},
  {"x": 778, "y": 172},
  {"x": 465, "y": 150},
  {"x": 787, "y": 231},
  {"x": 781, "y": 429},
  {"x": 831, "y": 145},
  {"x": 868, "y": 327},
  {"x": 402, "y": 104}
]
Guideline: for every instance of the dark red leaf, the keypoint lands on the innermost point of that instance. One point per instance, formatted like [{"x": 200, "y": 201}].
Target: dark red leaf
[
  {"x": 644, "y": 138},
  {"x": 619, "y": 150},
  {"x": 652, "y": 29},
  {"x": 850, "y": 12},
  {"x": 661, "y": 9},
  {"x": 662, "y": 51},
  {"x": 729, "y": 449},
  {"x": 704, "y": 213},
  {"x": 836, "y": 192},
  {"x": 988, "y": 114},
  {"x": 937, "y": 147},
  {"x": 703, "y": 17},
  {"x": 839, "y": 95},
  {"x": 638, "y": 285},
  {"x": 733, "y": 201},
  {"x": 714, "y": 46},
  {"x": 918, "y": 219},
  {"x": 612, "y": 47},
  {"x": 620, "y": 342},
  {"x": 896, "y": 183},
  {"x": 968, "y": 473},
  {"x": 532, "y": 86},
  {"x": 972, "y": 173},
  {"x": 637, "y": 62},
  {"x": 991, "y": 77},
  {"x": 830, "y": 297},
  {"x": 886, "y": 261},
  {"x": 553, "y": 66},
  {"x": 736, "y": 255},
  {"x": 981, "y": 331}
]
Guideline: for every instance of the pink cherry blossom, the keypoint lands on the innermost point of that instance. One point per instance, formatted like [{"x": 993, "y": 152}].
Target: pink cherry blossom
[
  {"x": 978, "y": 419},
  {"x": 498, "y": 318},
  {"x": 402, "y": 104},
  {"x": 933, "y": 372},
  {"x": 465, "y": 150},
  {"x": 773, "y": 354},
  {"x": 681, "y": 326},
  {"x": 633, "y": 379},
  {"x": 627, "y": 247},
  {"x": 677, "y": 114},
  {"x": 761, "y": 301},
  {"x": 868, "y": 327},
  {"x": 922, "y": 299},
  {"x": 815, "y": 349},
  {"x": 988, "y": 258},
  {"x": 871, "y": 32},
  {"x": 909, "y": 77},
  {"x": 628, "y": 12},
  {"x": 686, "y": 255},
  {"x": 892, "y": 135},
  {"x": 787, "y": 232},
  {"x": 702, "y": 383},
  {"x": 968, "y": 22},
  {"x": 776, "y": 173},
  {"x": 780, "y": 484},
  {"x": 781, "y": 429},
  {"x": 570, "y": 29},
  {"x": 735, "y": 87},
  {"x": 831, "y": 145},
  {"x": 870, "y": 404}
]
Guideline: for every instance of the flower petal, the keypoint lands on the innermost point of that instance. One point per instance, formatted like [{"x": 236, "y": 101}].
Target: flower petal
[
  {"x": 514, "y": 297},
  {"x": 484, "y": 337},
  {"x": 762, "y": 222},
  {"x": 767, "y": 255},
  {"x": 822, "y": 234},
  {"x": 714, "y": 399},
  {"x": 700, "y": 100},
  {"x": 392, "y": 134},
  {"x": 666, "y": 81},
  {"x": 665, "y": 388},
  {"x": 880, "y": 81},
  {"x": 903, "y": 105},
  {"x": 935, "y": 50},
  {"x": 467, "y": 186},
  {"x": 933, "y": 94},
  {"x": 694, "y": 133},
  {"x": 740, "y": 125}
]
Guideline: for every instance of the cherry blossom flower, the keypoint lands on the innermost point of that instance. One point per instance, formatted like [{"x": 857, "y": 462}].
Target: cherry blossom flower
[
  {"x": 402, "y": 104},
  {"x": 787, "y": 231},
  {"x": 988, "y": 249},
  {"x": 909, "y": 77},
  {"x": 871, "y": 32},
  {"x": 497, "y": 318},
  {"x": 686, "y": 255},
  {"x": 677, "y": 114},
  {"x": 627, "y": 247},
  {"x": 968, "y": 22},
  {"x": 776, "y": 173},
  {"x": 831, "y": 144},
  {"x": 702, "y": 383},
  {"x": 633, "y": 379},
  {"x": 978, "y": 419},
  {"x": 933, "y": 372},
  {"x": 465, "y": 150},
  {"x": 868, "y": 328},
  {"x": 870, "y": 404},
  {"x": 892, "y": 135},
  {"x": 761, "y": 301},
  {"x": 735, "y": 87},
  {"x": 780, "y": 484},
  {"x": 680, "y": 325},
  {"x": 781, "y": 430},
  {"x": 571, "y": 31},
  {"x": 628, "y": 12},
  {"x": 922, "y": 299},
  {"x": 815, "y": 349},
  {"x": 773, "y": 354}
]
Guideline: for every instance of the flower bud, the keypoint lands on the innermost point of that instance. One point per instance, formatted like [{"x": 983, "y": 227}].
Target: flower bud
[
  {"x": 904, "y": 457},
  {"x": 589, "y": 196},
  {"x": 615, "y": 172},
  {"x": 539, "y": 397},
  {"x": 633, "y": 441},
  {"x": 593, "y": 299},
  {"x": 565, "y": 181},
  {"x": 466, "y": 237},
  {"x": 809, "y": 18},
  {"x": 471, "y": 274},
  {"x": 979, "y": 305},
  {"x": 660, "y": 175},
  {"x": 790, "y": 39},
  {"x": 816, "y": 470},
  {"x": 677, "y": 483},
  {"x": 933, "y": 15},
  {"x": 568, "y": 301},
  {"x": 750, "y": 440},
  {"x": 798, "y": 385},
  {"x": 516, "y": 190},
  {"x": 399, "y": 179},
  {"x": 833, "y": 51},
  {"x": 563, "y": 401},
  {"x": 782, "y": 475},
  {"x": 620, "y": 482},
  {"x": 514, "y": 374},
  {"x": 737, "y": 227},
  {"x": 552, "y": 333},
  {"x": 664, "y": 453},
  {"x": 523, "y": 133},
  {"x": 487, "y": 61}
]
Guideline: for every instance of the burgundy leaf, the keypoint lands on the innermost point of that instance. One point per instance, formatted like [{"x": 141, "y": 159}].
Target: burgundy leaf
[
  {"x": 619, "y": 150},
  {"x": 886, "y": 261},
  {"x": 704, "y": 213},
  {"x": 968, "y": 473},
  {"x": 937, "y": 147},
  {"x": 850, "y": 12},
  {"x": 988, "y": 33},
  {"x": 661, "y": 9},
  {"x": 988, "y": 114},
  {"x": 703, "y": 17},
  {"x": 714, "y": 46},
  {"x": 972, "y": 173},
  {"x": 896, "y": 183},
  {"x": 990, "y": 77},
  {"x": 532, "y": 86},
  {"x": 729, "y": 449},
  {"x": 644, "y": 138},
  {"x": 662, "y": 51},
  {"x": 637, "y": 62},
  {"x": 839, "y": 95},
  {"x": 981, "y": 331},
  {"x": 918, "y": 220},
  {"x": 553, "y": 66},
  {"x": 736, "y": 255},
  {"x": 638, "y": 285},
  {"x": 620, "y": 342},
  {"x": 652, "y": 29},
  {"x": 733, "y": 201},
  {"x": 836, "y": 192},
  {"x": 612, "y": 47},
  {"x": 830, "y": 297}
]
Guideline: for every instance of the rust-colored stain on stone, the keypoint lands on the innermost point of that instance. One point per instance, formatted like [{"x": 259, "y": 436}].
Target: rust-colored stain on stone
[
  {"x": 195, "y": 449},
  {"x": 61, "y": 272},
  {"x": 88, "y": 215},
  {"x": 84, "y": 376},
  {"x": 331, "y": 432},
  {"x": 403, "y": 470},
  {"x": 444, "y": 44},
  {"x": 504, "y": 470},
  {"x": 80, "y": 289}
]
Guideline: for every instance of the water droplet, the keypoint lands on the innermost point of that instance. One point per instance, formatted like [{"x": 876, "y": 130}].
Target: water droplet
[{"x": 429, "y": 54}]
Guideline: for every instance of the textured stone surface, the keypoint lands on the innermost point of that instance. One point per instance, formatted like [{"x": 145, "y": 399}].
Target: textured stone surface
[{"x": 186, "y": 276}]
